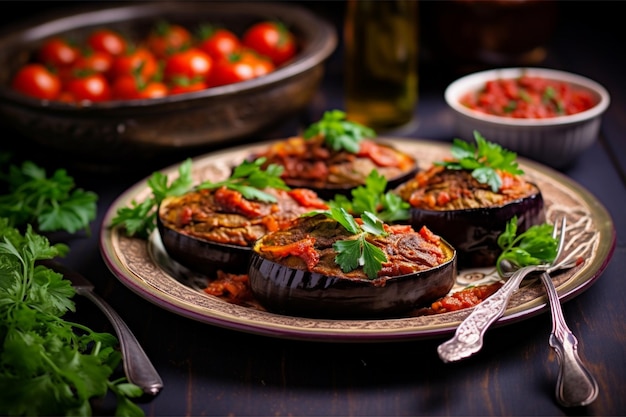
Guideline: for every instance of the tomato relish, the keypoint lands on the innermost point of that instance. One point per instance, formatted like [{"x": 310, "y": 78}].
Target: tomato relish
[{"x": 528, "y": 97}]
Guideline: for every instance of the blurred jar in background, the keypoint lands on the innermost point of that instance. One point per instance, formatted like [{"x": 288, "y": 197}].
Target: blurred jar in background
[
  {"x": 470, "y": 35},
  {"x": 381, "y": 56}
]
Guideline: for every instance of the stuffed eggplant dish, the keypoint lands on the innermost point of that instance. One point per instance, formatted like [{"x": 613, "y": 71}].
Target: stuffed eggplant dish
[
  {"x": 214, "y": 226},
  {"x": 319, "y": 267},
  {"x": 470, "y": 199},
  {"x": 335, "y": 155}
]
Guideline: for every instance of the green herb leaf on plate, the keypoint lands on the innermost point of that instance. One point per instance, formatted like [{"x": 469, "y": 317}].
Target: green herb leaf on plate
[
  {"x": 483, "y": 159},
  {"x": 338, "y": 132},
  {"x": 533, "y": 247}
]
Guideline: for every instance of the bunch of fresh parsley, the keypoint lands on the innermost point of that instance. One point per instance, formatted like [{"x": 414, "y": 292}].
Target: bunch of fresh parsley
[
  {"x": 533, "y": 247},
  {"x": 49, "y": 203},
  {"x": 483, "y": 159},
  {"x": 372, "y": 197},
  {"x": 338, "y": 132},
  {"x": 49, "y": 366}
]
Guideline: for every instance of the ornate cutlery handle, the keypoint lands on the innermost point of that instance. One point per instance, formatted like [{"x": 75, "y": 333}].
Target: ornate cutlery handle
[
  {"x": 138, "y": 368},
  {"x": 468, "y": 338},
  {"x": 575, "y": 385}
]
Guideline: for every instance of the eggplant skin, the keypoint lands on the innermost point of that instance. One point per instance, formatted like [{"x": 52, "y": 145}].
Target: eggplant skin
[
  {"x": 298, "y": 292},
  {"x": 203, "y": 255},
  {"x": 474, "y": 232}
]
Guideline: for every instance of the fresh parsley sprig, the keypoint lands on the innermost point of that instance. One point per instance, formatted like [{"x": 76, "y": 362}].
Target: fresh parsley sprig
[
  {"x": 250, "y": 179},
  {"x": 48, "y": 203},
  {"x": 372, "y": 197},
  {"x": 533, "y": 247},
  {"x": 50, "y": 366},
  {"x": 483, "y": 159},
  {"x": 338, "y": 132},
  {"x": 139, "y": 219},
  {"x": 352, "y": 253}
]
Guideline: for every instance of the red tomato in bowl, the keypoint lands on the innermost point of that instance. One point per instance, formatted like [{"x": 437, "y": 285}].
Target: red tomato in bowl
[
  {"x": 217, "y": 42},
  {"x": 165, "y": 38},
  {"x": 35, "y": 80},
  {"x": 234, "y": 68},
  {"x": 130, "y": 87},
  {"x": 88, "y": 86},
  {"x": 272, "y": 39},
  {"x": 94, "y": 60},
  {"x": 188, "y": 63},
  {"x": 135, "y": 61},
  {"x": 58, "y": 52},
  {"x": 108, "y": 41}
]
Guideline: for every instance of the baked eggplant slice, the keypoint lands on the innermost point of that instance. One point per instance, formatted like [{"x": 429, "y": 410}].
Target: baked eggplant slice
[
  {"x": 214, "y": 229},
  {"x": 294, "y": 271},
  {"x": 469, "y": 209},
  {"x": 335, "y": 155}
]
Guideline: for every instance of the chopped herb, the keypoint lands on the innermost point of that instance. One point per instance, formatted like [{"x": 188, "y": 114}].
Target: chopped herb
[
  {"x": 388, "y": 206},
  {"x": 49, "y": 203},
  {"x": 250, "y": 180},
  {"x": 352, "y": 253},
  {"x": 510, "y": 107},
  {"x": 50, "y": 366},
  {"x": 338, "y": 132},
  {"x": 533, "y": 247},
  {"x": 484, "y": 160},
  {"x": 140, "y": 218}
]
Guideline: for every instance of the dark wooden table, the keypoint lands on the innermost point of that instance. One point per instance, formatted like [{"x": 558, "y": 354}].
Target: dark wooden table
[{"x": 209, "y": 370}]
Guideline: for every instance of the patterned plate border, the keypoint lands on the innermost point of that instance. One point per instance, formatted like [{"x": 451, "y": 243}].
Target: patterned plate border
[{"x": 132, "y": 261}]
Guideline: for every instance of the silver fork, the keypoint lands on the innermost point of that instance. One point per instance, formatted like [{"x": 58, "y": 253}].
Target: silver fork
[
  {"x": 468, "y": 338},
  {"x": 575, "y": 385}
]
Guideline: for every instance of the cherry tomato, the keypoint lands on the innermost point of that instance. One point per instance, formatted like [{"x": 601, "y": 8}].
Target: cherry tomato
[
  {"x": 188, "y": 63},
  {"x": 272, "y": 39},
  {"x": 58, "y": 52},
  {"x": 217, "y": 42},
  {"x": 37, "y": 81},
  {"x": 181, "y": 85},
  {"x": 130, "y": 87},
  {"x": 89, "y": 86},
  {"x": 94, "y": 60},
  {"x": 232, "y": 69},
  {"x": 262, "y": 64},
  {"x": 166, "y": 38},
  {"x": 107, "y": 40},
  {"x": 137, "y": 60}
]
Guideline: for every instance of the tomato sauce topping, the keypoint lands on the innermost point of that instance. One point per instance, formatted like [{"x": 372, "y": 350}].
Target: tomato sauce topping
[{"x": 529, "y": 97}]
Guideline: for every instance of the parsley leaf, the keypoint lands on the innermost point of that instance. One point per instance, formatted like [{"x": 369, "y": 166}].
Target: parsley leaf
[
  {"x": 388, "y": 206},
  {"x": 357, "y": 251},
  {"x": 49, "y": 366},
  {"x": 139, "y": 219},
  {"x": 484, "y": 160},
  {"x": 338, "y": 132},
  {"x": 49, "y": 203},
  {"x": 533, "y": 247},
  {"x": 250, "y": 179}
]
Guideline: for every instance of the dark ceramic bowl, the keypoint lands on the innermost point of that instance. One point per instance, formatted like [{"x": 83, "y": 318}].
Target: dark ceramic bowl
[{"x": 123, "y": 132}]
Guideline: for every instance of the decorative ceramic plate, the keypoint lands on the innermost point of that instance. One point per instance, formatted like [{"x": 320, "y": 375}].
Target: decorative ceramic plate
[{"x": 144, "y": 267}]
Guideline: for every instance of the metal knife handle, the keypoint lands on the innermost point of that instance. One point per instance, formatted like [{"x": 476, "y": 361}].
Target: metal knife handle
[
  {"x": 575, "y": 385},
  {"x": 138, "y": 368},
  {"x": 468, "y": 338}
]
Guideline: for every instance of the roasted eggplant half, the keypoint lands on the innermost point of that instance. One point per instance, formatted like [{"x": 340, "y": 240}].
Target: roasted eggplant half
[
  {"x": 335, "y": 155},
  {"x": 214, "y": 229},
  {"x": 294, "y": 271},
  {"x": 468, "y": 213}
]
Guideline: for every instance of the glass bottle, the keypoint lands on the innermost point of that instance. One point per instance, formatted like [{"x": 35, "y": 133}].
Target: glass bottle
[{"x": 381, "y": 57}]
